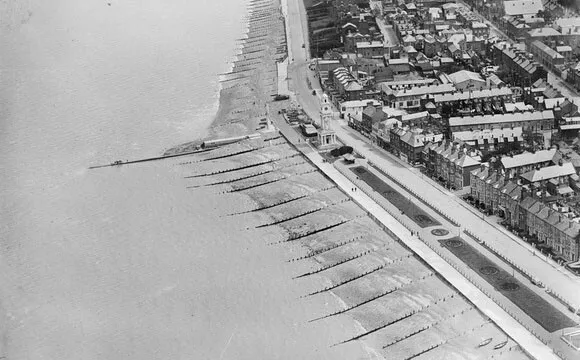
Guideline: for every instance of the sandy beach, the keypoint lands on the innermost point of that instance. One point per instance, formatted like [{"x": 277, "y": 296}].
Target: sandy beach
[
  {"x": 252, "y": 81},
  {"x": 354, "y": 282},
  {"x": 242, "y": 252},
  {"x": 389, "y": 304}
]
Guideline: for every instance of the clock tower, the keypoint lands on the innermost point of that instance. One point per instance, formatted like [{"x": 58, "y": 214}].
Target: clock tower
[{"x": 326, "y": 136}]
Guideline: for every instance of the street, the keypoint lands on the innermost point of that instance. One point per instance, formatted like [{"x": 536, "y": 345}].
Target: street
[
  {"x": 559, "y": 281},
  {"x": 566, "y": 89},
  {"x": 302, "y": 82}
]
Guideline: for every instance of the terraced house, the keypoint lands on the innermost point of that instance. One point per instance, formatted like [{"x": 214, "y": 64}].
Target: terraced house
[
  {"x": 520, "y": 65},
  {"x": 523, "y": 203},
  {"x": 370, "y": 49},
  {"x": 471, "y": 99},
  {"x": 408, "y": 142},
  {"x": 346, "y": 85},
  {"x": 552, "y": 227},
  {"x": 411, "y": 98},
  {"x": 540, "y": 122},
  {"x": 512, "y": 166},
  {"x": 549, "y": 57},
  {"x": 451, "y": 162}
]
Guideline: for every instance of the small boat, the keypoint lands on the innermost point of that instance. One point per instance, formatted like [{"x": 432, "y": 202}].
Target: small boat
[
  {"x": 485, "y": 342},
  {"x": 500, "y": 345},
  {"x": 118, "y": 162}
]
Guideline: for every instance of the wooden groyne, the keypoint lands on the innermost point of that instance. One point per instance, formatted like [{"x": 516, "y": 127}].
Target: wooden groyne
[
  {"x": 328, "y": 267},
  {"x": 264, "y": 206},
  {"x": 331, "y": 247},
  {"x": 246, "y": 176},
  {"x": 392, "y": 322},
  {"x": 428, "y": 326},
  {"x": 312, "y": 232},
  {"x": 384, "y": 293},
  {"x": 128, "y": 162}
]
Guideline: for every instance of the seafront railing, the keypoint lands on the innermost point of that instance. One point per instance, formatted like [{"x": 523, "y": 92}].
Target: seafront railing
[
  {"x": 401, "y": 184},
  {"x": 469, "y": 274},
  {"x": 517, "y": 267},
  {"x": 499, "y": 254},
  {"x": 491, "y": 293},
  {"x": 415, "y": 194},
  {"x": 510, "y": 308},
  {"x": 379, "y": 199}
]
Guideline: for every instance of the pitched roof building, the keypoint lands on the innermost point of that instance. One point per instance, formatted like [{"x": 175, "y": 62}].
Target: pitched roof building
[
  {"x": 540, "y": 120},
  {"x": 549, "y": 172},
  {"x": 513, "y": 166},
  {"x": 523, "y": 7}
]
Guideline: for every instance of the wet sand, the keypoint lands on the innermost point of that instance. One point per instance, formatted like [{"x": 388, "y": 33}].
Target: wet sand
[
  {"x": 345, "y": 268},
  {"x": 252, "y": 82},
  {"x": 345, "y": 288}
]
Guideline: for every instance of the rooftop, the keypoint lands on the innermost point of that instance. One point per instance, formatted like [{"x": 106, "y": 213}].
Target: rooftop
[
  {"x": 395, "y": 83},
  {"x": 548, "y": 50},
  {"x": 550, "y": 172},
  {"x": 466, "y": 161},
  {"x": 554, "y": 102},
  {"x": 370, "y": 44},
  {"x": 501, "y": 118},
  {"x": 416, "y": 137},
  {"x": 424, "y": 90},
  {"x": 518, "y": 106},
  {"x": 523, "y": 7},
  {"x": 545, "y": 31},
  {"x": 475, "y": 94},
  {"x": 398, "y": 61},
  {"x": 564, "y": 48},
  {"x": 567, "y": 22},
  {"x": 413, "y": 116},
  {"x": 489, "y": 134},
  {"x": 347, "y": 80},
  {"x": 527, "y": 158},
  {"x": 359, "y": 103},
  {"x": 464, "y": 75}
]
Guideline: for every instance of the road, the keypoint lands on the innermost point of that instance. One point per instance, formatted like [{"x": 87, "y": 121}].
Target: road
[
  {"x": 563, "y": 283},
  {"x": 298, "y": 72},
  {"x": 566, "y": 89},
  {"x": 508, "y": 324},
  {"x": 559, "y": 281}
]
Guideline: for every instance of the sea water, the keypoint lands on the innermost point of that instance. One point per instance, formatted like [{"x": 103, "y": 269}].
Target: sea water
[
  {"x": 125, "y": 262},
  {"x": 87, "y": 256}
]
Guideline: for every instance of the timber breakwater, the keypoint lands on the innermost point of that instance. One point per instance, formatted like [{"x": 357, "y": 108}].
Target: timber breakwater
[
  {"x": 401, "y": 308},
  {"x": 252, "y": 81}
]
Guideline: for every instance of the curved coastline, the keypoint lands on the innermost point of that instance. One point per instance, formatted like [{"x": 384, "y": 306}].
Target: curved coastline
[{"x": 252, "y": 80}]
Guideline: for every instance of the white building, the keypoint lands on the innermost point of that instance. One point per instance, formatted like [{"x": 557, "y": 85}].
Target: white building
[{"x": 354, "y": 108}]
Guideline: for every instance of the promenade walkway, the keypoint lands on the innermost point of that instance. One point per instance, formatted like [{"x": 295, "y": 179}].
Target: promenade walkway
[
  {"x": 515, "y": 330},
  {"x": 560, "y": 282},
  {"x": 298, "y": 83}
]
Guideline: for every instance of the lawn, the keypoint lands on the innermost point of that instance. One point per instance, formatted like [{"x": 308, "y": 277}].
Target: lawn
[
  {"x": 404, "y": 204},
  {"x": 521, "y": 295}
]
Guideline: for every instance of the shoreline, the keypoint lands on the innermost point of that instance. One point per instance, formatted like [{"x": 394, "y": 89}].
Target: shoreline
[{"x": 252, "y": 79}]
